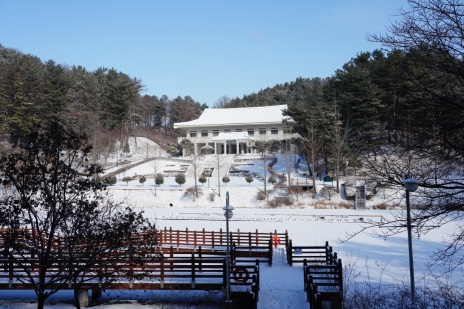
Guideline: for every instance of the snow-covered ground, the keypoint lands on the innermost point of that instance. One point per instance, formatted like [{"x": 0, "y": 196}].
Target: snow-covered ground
[{"x": 371, "y": 258}]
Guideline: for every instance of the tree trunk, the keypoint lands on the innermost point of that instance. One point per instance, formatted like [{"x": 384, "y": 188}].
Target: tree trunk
[{"x": 41, "y": 300}]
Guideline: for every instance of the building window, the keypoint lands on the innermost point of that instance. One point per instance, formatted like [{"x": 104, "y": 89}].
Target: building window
[
  {"x": 262, "y": 131},
  {"x": 215, "y": 132},
  {"x": 204, "y": 133},
  {"x": 238, "y": 130},
  {"x": 193, "y": 133},
  {"x": 251, "y": 132},
  {"x": 274, "y": 131},
  {"x": 227, "y": 131}
]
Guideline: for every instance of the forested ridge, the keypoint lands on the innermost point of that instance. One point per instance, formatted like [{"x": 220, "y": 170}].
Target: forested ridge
[
  {"x": 380, "y": 97},
  {"x": 106, "y": 104}
]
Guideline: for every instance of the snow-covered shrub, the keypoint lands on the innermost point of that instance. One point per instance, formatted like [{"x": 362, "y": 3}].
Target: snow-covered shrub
[
  {"x": 322, "y": 205},
  {"x": 344, "y": 205},
  {"x": 212, "y": 196},
  {"x": 283, "y": 200},
  {"x": 328, "y": 192},
  {"x": 261, "y": 195}
]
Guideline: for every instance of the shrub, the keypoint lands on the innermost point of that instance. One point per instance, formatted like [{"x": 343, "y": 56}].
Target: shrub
[
  {"x": 321, "y": 205},
  {"x": 191, "y": 193},
  {"x": 142, "y": 180},
  {"x": 159, "y": 179},
  {"x": 212, "y": 196},
  {"x": 328, "y": 192},
  {"x": 127, "y": 179},
  {"x": 180, "y": 179},
  {"x": 345, "y": 205},
  {"x": 272, "y": 180},
  {"x": 112, "y": 180},
  {"x": 261, "y": 195},
  {"x": 272, "y": 203},
  {"x": 202, "y": 179},
  {"x": 286, "y": 200},
  {"x": 225, "y": 180},
  {"x": 381, "y": 206},
  {"x": 249, "y": 179}
]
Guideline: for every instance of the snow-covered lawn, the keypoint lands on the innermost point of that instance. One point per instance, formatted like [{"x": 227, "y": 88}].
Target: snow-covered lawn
[{"x": 376, "y": 259}]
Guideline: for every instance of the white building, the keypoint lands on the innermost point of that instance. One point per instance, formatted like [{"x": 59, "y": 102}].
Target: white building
[{"x": 234, "y": 130}]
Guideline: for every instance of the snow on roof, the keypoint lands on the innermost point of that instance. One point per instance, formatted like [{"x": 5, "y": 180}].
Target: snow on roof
[{"x": 237, "y": 116}]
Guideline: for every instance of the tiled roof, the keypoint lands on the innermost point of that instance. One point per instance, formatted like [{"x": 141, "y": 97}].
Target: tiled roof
[{"x": 236, "y": 116}]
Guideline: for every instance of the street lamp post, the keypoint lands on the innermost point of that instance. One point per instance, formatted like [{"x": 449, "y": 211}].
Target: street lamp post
[
  {"x": 228, "y": 213},
  {"x": 410, "y": 185}
]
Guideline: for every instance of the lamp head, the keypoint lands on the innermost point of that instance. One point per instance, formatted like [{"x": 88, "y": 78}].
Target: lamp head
[
  {"x": 228, "y": 214},
  {"x": 228, "y": 207},
  {"x": 411, "y": 184}
]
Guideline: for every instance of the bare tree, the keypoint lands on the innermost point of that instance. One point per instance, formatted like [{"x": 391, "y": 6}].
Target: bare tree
[
  {"x": 312, "y": 146},
  {"x": 263, "y": 147},
  {"x": 222, "y": 102},
  {"x": 289, "y": 157},
  {"x": 53, "y": 195},
  {"x": 156, "y": 164},
  {"x": 196, "y": 159},
  {"x": 339, "y": 143},
  {"x": 218, "y": 160},
  {"x": 431, "y": 33}
]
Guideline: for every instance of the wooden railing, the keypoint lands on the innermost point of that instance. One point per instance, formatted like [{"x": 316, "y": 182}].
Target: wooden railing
[
  {"x": 323, "y": 283},
  {"x": 176, "y": 273},
  {"x": 312, "y": 254},
  {"x": 167, "y": 260},
  {"x": 237, "y": 253},
  {"x": 213, "y": 239}
]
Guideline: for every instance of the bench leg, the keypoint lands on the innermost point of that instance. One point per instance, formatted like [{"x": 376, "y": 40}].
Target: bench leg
[
  {"x": 83, "y": 296},
  {"x": 96, "y": 293}
]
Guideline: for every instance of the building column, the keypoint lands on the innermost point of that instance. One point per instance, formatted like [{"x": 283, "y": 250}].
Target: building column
[
  {"x": 215, "y": 148},
  {"x": 238, "y": 148},
  {"x": 225, "y": 147}
]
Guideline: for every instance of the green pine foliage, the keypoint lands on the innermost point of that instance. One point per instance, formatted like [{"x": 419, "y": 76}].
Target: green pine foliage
[
  {"x": 225, "y": 180},
  {"x": 159, "y": 179},
  {"x": 202, "y": 179},
  {"x": 180, "y": 179}
]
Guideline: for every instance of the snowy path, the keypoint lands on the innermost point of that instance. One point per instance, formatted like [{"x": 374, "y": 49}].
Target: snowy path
[{"x": 279, "y": 291}]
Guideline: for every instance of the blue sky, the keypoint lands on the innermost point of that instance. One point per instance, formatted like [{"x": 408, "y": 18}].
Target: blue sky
[{"x": 202, "y": 48}]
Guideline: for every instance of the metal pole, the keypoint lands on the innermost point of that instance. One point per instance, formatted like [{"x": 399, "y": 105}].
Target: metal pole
[
  {"x": 411, "y": 260},
  {"x": 228, "y": 300}
]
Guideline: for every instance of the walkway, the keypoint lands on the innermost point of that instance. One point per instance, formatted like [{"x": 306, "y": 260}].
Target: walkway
[{"x": 281, "y": 291}]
